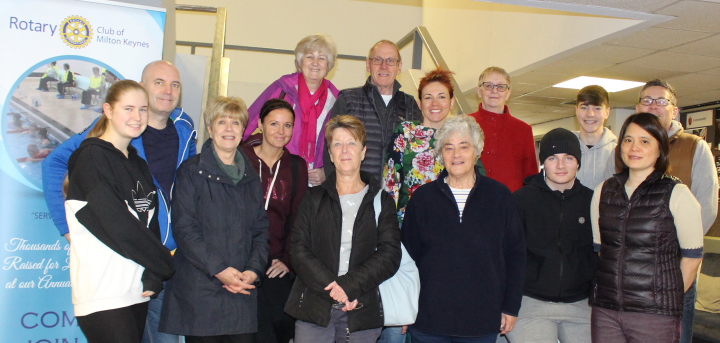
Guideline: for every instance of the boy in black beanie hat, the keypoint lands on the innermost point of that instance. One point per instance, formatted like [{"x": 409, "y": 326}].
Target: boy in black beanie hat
[{"x": 555, "y": 210}]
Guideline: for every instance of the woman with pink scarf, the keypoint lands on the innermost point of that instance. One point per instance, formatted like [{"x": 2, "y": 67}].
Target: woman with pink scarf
[{"x": 312, "y": 97}]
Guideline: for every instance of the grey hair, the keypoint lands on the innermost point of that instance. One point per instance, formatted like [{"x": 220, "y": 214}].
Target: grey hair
[
  {"x": 314, "y": 43},
  {"x": 464, "y": 125}
]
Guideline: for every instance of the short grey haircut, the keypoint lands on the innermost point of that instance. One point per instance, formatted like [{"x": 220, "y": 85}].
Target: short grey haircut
[
  {"x": 314, "y": 43},
  {"x": 464, "y": 125}
]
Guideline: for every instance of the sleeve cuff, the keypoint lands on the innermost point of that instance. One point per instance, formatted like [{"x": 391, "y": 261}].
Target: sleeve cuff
[
  {"x": 596, "y": 247},
  {"x": 692, "y": 253}
]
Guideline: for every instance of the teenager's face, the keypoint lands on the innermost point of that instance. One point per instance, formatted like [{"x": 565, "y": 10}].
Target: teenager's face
[
  {"x": 592, "y": 117},
  {"x": 560, "y": 170},
  {"x": 128, "y": 117}
]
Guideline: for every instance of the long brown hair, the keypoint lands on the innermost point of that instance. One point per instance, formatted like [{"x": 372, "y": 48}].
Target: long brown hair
[{"x": 113, "y": 96}]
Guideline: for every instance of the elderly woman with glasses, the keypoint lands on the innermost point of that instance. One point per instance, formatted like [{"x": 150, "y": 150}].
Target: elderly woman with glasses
[
  {"x": 311, "y": 95},
  {"x": 341, "y": 248},
  {"x": 465, "y": 235}
]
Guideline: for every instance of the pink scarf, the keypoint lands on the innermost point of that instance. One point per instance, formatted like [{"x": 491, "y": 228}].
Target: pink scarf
[{"x": 310, "y": 113}]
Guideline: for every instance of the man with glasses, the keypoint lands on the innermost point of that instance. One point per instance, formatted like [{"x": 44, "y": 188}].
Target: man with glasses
[
  {"x": 691, "y": 161},
  {"x": 509, "y": 153},
  {"x": 379, "y": 104}
]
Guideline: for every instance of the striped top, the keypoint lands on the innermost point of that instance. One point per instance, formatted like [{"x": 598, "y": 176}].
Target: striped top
[{"x": 461, "y": 196}]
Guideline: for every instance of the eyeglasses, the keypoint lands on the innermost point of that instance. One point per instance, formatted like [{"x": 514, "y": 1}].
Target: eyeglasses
[
  {"x": 489, "y": 86},
  {"x": 377, "y": 60},
  {"x": 647, "y": 101}
]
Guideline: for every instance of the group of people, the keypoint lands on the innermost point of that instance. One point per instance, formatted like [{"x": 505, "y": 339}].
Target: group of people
[
  {"x": 300, "y": 206},
  {"x": 98, "y": 84}
]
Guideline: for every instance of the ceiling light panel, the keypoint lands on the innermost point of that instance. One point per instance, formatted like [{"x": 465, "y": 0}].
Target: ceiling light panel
[{"x": 610, "y": 85}]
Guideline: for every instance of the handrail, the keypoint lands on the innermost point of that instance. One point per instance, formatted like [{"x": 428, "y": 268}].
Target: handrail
[
  {"x": 421, "y": 36},
  {"x": 194, "y": 45}
]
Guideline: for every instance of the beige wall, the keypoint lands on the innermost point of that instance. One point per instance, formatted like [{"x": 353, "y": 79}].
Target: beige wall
[
  {"x": 354, "y": 25},
  {"x": 471, "y": 35}
]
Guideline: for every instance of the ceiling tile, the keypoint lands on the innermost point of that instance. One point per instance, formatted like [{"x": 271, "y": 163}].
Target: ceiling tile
[
  {"x": 634, "y": 5},
  {"x": 628, "y": 72},
  {"x": 658, "y": 38},
  {"x": 693, "y": 15},
  {"x": 675, "y": 61},
  {"x": 611, "y": 53},
  {"x": 707, "y": 46},
  {"x": 520, "y": 88},
  {"x": 574, "y": 67},
  {"x": 540, "y": 100},
  {"x": 699, "y": 98},
  {"x": 554, "y": 92},
  {"x": 714, "y": 71},
  {"x": 539, "y": 78},
  {"x": 626, "y": 98},
  {"x": 545, "y": 117},
  {"x": 694, "y": 83}
]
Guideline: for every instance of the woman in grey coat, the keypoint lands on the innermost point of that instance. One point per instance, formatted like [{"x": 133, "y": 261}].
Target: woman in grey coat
[{"x": 221, "y": 229}]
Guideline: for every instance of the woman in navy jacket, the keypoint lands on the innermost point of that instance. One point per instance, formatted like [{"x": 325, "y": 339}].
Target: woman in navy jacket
[
  {"x": 465, "y": 235},
  {"x": 221, "y": 229}
]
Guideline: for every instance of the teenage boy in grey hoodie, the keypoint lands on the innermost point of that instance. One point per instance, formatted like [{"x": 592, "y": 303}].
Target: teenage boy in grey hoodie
[{"x": 596, "y": 141}]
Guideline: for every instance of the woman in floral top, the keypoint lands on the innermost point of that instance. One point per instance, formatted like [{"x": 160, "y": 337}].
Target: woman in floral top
[{"x": 411, "y": 159}]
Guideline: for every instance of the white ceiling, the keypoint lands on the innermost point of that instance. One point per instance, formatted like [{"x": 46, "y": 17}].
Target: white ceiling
[{"x": 685, "y": 51}]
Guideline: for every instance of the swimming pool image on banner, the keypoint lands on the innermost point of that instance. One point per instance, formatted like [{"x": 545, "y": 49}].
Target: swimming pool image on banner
[{"x": 98, "y": 42}]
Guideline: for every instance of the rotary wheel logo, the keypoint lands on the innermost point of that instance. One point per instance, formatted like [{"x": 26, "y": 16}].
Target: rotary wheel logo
[{"x": 76, "y": 32}]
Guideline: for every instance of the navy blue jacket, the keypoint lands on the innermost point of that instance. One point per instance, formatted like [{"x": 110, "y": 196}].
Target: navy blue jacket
[{"x": 471, "y": 271}]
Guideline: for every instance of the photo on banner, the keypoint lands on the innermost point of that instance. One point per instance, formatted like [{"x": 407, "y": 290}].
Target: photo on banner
[{"x": 60, "y": 58}]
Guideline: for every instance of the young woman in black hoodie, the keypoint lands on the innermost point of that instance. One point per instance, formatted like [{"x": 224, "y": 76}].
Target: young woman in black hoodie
[{"x": 117, "y": 261}]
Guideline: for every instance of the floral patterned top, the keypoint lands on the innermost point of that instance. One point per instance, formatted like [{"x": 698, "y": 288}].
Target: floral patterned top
[{"x": 411, "y": 162}]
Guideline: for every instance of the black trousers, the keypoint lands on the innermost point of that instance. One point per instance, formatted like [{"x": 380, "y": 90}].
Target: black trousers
[
  {"x": 121, "y": 325},
  {"x": 44, "y": 81},
  {"x": 61, "y": 87},
  {"x": 242, "y": 338},
  {"x": 274, "y": 325},
  {"x": 87, "y": 96}
]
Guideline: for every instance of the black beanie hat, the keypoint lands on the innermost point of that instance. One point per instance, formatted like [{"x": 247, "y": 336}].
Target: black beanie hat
[{"x": 559, "y": 141}]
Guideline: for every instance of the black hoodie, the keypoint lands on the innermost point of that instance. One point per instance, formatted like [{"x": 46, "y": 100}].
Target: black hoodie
[
  {"x": 114, "y": 199},
  {"x": 558, "y": 234}
]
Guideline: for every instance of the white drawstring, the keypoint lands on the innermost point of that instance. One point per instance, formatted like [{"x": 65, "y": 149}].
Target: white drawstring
[{"x": 272, "y": 184}]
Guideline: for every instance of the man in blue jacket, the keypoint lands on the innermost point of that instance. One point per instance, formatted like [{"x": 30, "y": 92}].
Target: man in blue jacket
[{"x": 168, "y": 141}]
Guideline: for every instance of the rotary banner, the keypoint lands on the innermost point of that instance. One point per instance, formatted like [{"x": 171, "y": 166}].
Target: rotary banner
[{"x": 59, "y": 58}]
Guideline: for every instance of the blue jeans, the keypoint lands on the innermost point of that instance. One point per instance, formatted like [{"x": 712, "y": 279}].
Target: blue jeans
[
  {"x": 151, "y": 334},
  {"x": 688, "y": 314},
  {"x": 419, "y": 337},
  {"x": 392, "y": 334}
]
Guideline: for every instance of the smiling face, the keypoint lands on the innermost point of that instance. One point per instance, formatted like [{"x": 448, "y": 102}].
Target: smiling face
[
  {"x": 277, "y": 128},
  {"x": 592, "y": 117},
  {"x": 560, "y": 171},
  {"x": 459, "y": 155},
  {"x": 383, "y": 75},
  {"x": 666, "y": 113},
  {"x": 162, "y": 82},
  {"x": 640, "y": 150},
  {"x": 226, "y": 133},
  {"x": 128, "y": 117},
  {"x": 314, "y": 65},
  {"x": 435, "y": 103},
  {"x": 494, "y": 100},
  {"x": 346, "y": 152}
]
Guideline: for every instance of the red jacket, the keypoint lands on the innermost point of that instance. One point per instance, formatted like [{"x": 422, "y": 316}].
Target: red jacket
[{"x": 509, "y": 152}]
